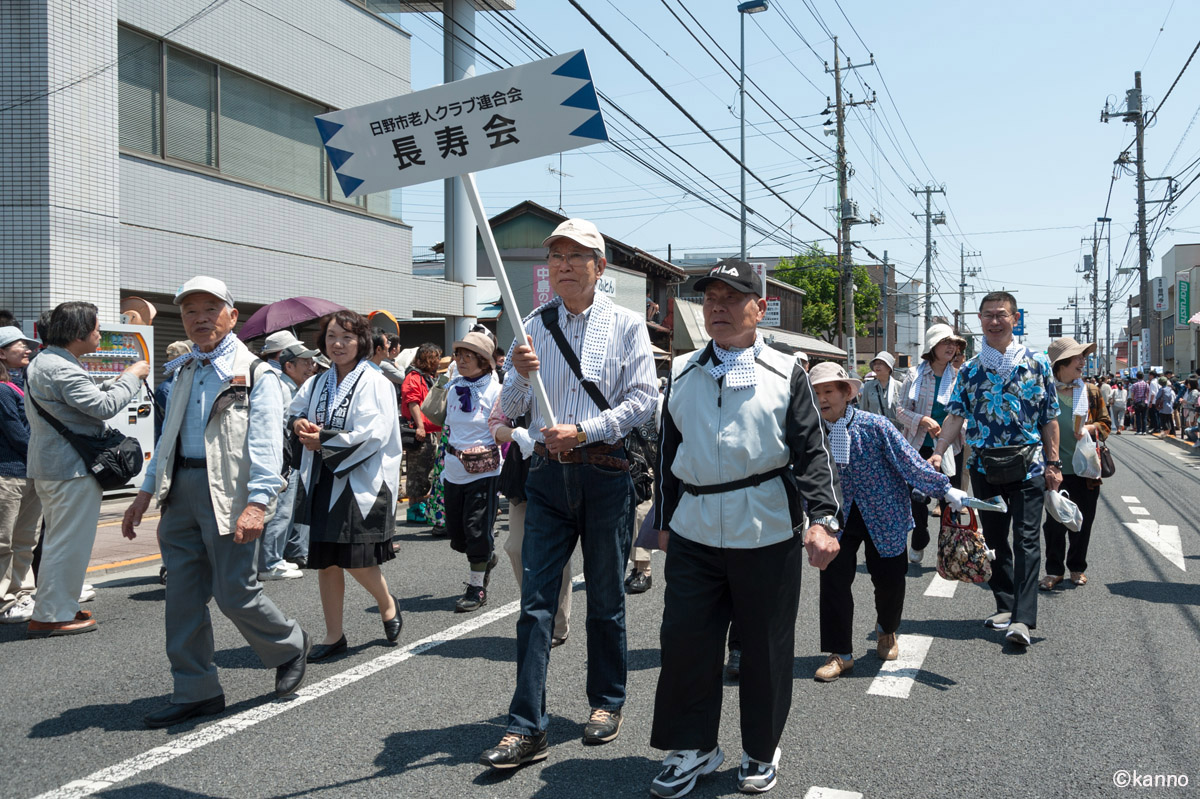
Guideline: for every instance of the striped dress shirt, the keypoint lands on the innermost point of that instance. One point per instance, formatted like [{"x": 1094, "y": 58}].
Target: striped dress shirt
[{"x": 627, "y": 380}]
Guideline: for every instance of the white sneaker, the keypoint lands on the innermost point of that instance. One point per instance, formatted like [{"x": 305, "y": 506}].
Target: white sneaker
[
  {"x": 280, "y": 572},
  {"x": 754, "y": 776},
  {"x": 287, "y": 564},
  {"x": 682, "y": 768},
  {"x": 87, "y": 593},
  {"x": 915, "y": 555},
  {"x": 19, "y": 612}
]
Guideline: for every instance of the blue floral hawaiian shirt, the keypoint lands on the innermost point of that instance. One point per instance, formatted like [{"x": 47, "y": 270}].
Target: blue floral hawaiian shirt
[{"x": 1006, "y": 413}]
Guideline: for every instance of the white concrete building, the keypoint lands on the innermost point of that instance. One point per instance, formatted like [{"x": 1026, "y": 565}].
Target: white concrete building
[{"x": 1180, "y": 342}]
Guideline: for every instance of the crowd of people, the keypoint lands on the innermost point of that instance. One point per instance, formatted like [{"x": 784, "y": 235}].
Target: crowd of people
[{"x": 758, "y": 464}]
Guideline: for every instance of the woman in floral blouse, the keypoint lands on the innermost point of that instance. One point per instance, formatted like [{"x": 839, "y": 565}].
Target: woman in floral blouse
[{"x": 876, "y": 466}]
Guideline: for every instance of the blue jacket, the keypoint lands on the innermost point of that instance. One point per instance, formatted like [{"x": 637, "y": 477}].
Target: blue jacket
[{"x": 14, "y": 433}]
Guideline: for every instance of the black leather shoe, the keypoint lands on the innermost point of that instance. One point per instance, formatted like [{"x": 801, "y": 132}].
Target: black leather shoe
[
  {"x": 638, "y": 583},
  {"x": 173, "y": 713},
  {"x": 391, "y": 627},
  {"x": 472, "y": 599},
  {"x": 321, "y": 652},
  {"x": 290, "y": 675},
  {"x": 515, "y": 750},
  {"x": 301, "y": 563}
]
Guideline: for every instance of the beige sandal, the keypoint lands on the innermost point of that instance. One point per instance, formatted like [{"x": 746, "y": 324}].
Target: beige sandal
[
  {"x": 1079, "y": 578},
  {"x": 1049, "y": 581}
]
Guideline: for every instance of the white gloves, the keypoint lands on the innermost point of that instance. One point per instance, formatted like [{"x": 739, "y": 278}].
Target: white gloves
[
  {"x": 521, "y": 436},
  {"x": 955, "y": 498}
]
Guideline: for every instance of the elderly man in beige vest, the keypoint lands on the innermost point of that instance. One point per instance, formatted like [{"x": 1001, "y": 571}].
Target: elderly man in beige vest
[{"x": 216, "y": 474}]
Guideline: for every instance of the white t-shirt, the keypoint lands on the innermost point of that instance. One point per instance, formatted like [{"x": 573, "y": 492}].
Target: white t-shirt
[{"x": 469, "y": 430}]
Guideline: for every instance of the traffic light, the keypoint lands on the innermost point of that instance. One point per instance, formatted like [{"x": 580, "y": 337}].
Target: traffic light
[{"x": 1056, "y": 328}]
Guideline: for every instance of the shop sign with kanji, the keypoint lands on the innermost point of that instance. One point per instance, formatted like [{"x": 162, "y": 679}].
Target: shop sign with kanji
[{"x": 528, "y": 111}]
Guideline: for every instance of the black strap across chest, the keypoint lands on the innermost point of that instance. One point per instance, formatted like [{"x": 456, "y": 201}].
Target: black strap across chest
[{"x": 550, "y": 321}]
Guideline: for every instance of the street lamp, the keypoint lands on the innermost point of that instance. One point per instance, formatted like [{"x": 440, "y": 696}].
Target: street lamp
[{"x": 748, "y": 7}]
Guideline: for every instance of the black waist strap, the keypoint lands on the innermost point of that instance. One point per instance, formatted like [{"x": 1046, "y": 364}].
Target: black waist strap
[
  {"x": 745, "y": 482},
  {"x": 191, "y": 463}
]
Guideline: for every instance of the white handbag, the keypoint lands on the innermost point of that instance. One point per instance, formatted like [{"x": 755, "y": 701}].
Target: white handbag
[{"x": 1060, "y": 508}]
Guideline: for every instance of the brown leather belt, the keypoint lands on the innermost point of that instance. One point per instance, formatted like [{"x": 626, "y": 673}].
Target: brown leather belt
[{"x": 595, "y": 454}]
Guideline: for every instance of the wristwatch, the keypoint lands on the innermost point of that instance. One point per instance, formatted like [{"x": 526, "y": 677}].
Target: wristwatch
[
  {"x": 1055, "y": 464},
  {"x": 830, "y": 523},
  {"x": 580, "y": 436}
]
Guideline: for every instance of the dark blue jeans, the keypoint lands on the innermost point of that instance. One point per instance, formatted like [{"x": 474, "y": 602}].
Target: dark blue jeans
[{"x": 593, "y": 505}]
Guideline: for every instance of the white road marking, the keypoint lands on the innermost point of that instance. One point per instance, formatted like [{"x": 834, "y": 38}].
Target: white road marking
[
  {"x": 1131, "y": 500},
  {"x": 897, "y": 676},
  {"x": 126, "y": 769},
  {"x": 831, "y": 793},
  {"x": 941, "y": 587},
  {"x": 1138, "y": 511},
  {"x": 1163, "y": 537}
]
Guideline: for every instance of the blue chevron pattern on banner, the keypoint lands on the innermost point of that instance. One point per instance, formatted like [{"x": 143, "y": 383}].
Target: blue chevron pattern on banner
[
  {"x": 575, "y": 67},
  {"x": 349, "y": 184},
  {"x": 338, "y": 157},
  {"x": 327, "y": 129},
  {"x": 585, "y": 98},
  {"x": 592, "y": 129}
]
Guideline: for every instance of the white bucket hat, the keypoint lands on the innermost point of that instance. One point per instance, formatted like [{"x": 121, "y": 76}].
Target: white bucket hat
[
  {"x": 830, "y": 372},
  {"x": 939, "y": 333}
]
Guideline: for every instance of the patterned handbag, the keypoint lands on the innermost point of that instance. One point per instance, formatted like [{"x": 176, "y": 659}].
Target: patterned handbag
[{"x": 962, "y": 552}]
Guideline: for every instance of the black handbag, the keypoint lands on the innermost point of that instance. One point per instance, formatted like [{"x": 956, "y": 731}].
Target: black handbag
[
  {"x": 113, "y": 458},
  {"x": 408, "y": 436},
  {"x": 1006, "y": 466},
  {"x": 1108, "y": 466}
]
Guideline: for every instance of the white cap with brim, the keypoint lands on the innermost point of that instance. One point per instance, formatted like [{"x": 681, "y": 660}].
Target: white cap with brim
[
  {"x": 887, "y": 358},
  {"x": 579, "y": 231},
  {"x": 279, "y": 341},
  {"x": 12, "y": 334},
  {"x": 830, "y": 372},
  {"x": 206, "y": 285}
]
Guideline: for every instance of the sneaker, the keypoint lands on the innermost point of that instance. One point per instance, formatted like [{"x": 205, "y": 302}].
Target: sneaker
[
  {"x": 886, "y": 647},
  {"x": 87, "y": 593},
  {"x": 915, "y": 555},
  {"x": 19, "y": 612},
  {"x": 473, "y": 598},
  {"x": 287, "y": 564},
  {"x": 755, "y": 776},
  {"x": 682, "y": 768},
  {"x": 733, "y": 666},
  {"x": 998, "y": 621},
  {"x": 1018, "y": 634},
  {"x": 280, "y": 572},
  {"x": 638, "y": 582},
  {"x": 834, "y": 667},
  {"x": 515, "y": 750},
  {"x": 602, "y": 727},
  {"x": 416, "y": 514}
]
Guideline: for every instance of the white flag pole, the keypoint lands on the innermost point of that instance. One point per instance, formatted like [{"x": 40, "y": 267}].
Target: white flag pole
[{"x": 510, "y": 301}]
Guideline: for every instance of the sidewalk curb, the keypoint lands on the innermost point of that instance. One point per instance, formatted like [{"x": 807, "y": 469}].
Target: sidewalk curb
[{"x": 1176, "y": 442}]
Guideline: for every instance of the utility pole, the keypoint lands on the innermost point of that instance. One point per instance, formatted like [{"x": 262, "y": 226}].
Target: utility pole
[
  {"x": 847, "y": 210},
  {"x": 931, "y": 219},
  {"x": 884, "y": 296},
  {"x": 962, "y": 284},
  {"x": 1108, "y": 354}
]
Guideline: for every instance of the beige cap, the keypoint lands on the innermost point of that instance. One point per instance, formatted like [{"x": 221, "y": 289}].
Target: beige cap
[
  {"x": 830, "y": 372},
  {"x": 480, "y": 344},
  {"x": 206, "y": 285},
  {"x": 1066, "y": 347},
  {"x": 279, "y": 341},
  {"x": 579, "y": 231},
  {"x": 939, "y": 333}
]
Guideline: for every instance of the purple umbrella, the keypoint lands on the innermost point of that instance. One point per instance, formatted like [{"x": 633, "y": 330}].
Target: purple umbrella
[{"x": 284, "y": 314}]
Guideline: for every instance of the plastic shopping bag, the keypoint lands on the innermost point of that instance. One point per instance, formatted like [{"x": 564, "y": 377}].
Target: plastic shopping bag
[
  {"x": 1087, "y": 459},
  {"x": 1060, "y": 508},
  {"x": 948, "y": 464}
]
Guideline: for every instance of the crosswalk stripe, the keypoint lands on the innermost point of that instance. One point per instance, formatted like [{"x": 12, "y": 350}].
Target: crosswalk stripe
[
  {"x": 897, "y": 676},
  {"x": 941, "y": 587},
  {"x": 831, "y": 793},
  {"x": 1131, "y": 500},
  {"x": 1138, "y": 511}
]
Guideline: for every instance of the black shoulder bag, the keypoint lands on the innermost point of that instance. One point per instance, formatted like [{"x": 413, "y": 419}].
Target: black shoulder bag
[
  {"x": 636, "y": 448},
  {"x": 112, "y": 458}
]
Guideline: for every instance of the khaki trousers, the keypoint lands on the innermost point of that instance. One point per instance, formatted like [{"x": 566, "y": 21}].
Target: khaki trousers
[
  {"x": 512, "y": 547},
  {"x": 20, "y": 518}
]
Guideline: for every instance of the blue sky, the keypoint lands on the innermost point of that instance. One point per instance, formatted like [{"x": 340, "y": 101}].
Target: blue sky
[{"x": 1002, "y": 104}]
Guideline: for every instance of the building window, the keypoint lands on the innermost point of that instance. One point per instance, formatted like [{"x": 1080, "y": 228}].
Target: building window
[
  {"x": 268, "y": 136},
  {"x": 139, "y": 92},
  {"x": 191, "y": 111}
]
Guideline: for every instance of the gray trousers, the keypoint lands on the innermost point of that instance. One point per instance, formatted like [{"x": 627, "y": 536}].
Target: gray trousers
[
  {"x": 202, "y": 565},
  {"x": 278, "y": 532},
  {"x": 72, "y": 511}
]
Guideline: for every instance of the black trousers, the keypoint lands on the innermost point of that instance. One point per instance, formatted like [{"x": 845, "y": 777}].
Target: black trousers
[
  {"x": 920, "y": 511},
  {"x": 706, "y": 587},
  {"x": 1057, "y": 536},
  {"x": 837, "y": 600},
  {"x": 470, "y": 514},
  {"x": 1015, "y": 569}
]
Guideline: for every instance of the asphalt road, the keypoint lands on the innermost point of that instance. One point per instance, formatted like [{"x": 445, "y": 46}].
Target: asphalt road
[{"x": 1108, "y": 692}]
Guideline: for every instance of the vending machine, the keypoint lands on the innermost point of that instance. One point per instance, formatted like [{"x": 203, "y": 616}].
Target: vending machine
[{"x": 120, "y": 346}]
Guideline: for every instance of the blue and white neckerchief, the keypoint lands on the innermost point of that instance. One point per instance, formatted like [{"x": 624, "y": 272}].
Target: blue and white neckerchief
[
  {"x": 336, "y": 393},
  {"x": 221, "y": 358},
  {"x": 1002, "y": 363},
  {"x": 469, "y": 391},
  {"x": 949, "y": 377},
  {"x": 737, "y": 366},
  {"x": 839, "y": 437}
]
